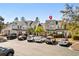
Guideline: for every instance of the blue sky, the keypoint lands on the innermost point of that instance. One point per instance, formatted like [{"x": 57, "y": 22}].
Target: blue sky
[{"x": 31, "y": 10}]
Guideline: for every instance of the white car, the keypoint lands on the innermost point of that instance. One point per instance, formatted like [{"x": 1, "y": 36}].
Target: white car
[
  {"x": 3, "y": 39},
  {"x": 39, "y": 39},
  {"x": 30, "y": 38},
  {"x": 64, "y": 42}
]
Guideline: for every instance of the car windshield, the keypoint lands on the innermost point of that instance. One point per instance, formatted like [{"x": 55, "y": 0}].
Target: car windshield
[
  {"x": 2, "y": 49},
  {"x": 37, "y": 37},
  {"x": 48, "y": 38},
  {"x": 13, "y": 34},
  {"x": 30, "y": 36},
  {"x": 64, "y": 39}
]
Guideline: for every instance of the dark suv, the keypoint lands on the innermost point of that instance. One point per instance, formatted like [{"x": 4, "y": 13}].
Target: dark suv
[
  {"x": 6, "y": 51},
  {"x": 12, "y": 36}
]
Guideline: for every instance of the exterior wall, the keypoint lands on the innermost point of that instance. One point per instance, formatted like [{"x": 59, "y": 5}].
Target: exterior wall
[
  {"x": 53, "y": 25},
  {"x": 4, "y": 32},
  {"x": 60, "y": 25},
  {"x": 50, "y": 24},
  {"x": 7, "y": 31},
  {"x": 19, "y": 26},
  {"x": 43, "y": 24},
  {"x": 34, "y": 24}
]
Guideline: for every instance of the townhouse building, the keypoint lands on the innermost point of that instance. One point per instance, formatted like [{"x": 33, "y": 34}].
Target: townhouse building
[
  {"x": 19, "y": 26},
  {"x": 54, "y": 26}
]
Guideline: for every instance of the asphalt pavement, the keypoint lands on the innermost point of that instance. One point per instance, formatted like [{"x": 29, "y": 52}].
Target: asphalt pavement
[{"x": 24, "y": 48}]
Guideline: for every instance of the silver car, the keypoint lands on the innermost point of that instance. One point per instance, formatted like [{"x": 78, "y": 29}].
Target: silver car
[{"x": 50, "y": 40}]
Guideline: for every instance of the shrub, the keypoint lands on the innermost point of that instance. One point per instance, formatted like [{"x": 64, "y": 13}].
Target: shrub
[
  {"x": 76, "y": 37},
  {"x": 59, "y": 36},
  {"x": 69, "y": 36}
]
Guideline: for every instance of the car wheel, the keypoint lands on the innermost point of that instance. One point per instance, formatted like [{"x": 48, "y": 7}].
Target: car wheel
[
  {"x": 29, "y": 40},
  {"x": 68, "y": 44},
  {"x": 46, "y": 42},
  {"x": 10, "y": 54},
  {"x": 8, "y": 38}
]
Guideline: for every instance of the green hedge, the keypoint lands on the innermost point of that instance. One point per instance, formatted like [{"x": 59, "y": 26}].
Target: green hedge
[
  {"x": 76, "y": 37},
  {"x": 69, "y": 36},
  {"x": 59, "y": 36}
]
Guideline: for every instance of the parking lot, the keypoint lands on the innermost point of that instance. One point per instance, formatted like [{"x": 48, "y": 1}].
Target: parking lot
[{"x": 24, "y": 48}]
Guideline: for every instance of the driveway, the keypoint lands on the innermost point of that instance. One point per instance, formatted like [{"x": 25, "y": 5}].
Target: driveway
[{"x": 24, "y": 48}]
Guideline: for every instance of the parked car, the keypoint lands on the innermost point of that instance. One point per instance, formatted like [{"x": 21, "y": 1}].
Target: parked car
[
  {"x": 43, "y": 39},
  {"x": 50, "y": 40},
  {"x": 3, "y": 39},
  {"x": 39, "y": 39},
  {"x": 30, "y": 38},
  {"x": 6, "y": 51},
  {"x": 25, "y": 34},
  {"x": 22, "y": 37},
  {"x": 64, "y": 42},
  {"x": 20, "y": 33},
  {"x": 12, "y": 36}
]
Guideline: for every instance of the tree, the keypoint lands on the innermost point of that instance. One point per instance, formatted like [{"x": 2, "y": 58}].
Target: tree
[
  {"x": 73, "y": 28},
  {"x": 23, "y": 18},
  {"x": 16, "y": 19},
  {"x": 76, "y": 18},
  {"x": 37, "y": 19},
  {"x": 39, "y": 30},
  {"x": 68, "y": 12},
  {"x": 1, "y": 23},
  {"x": 1, "y": 18},
  {"x": 30, "y": 31},
  {"x": 1, "y": 27},
  {"x": 73, "y": 14}
]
